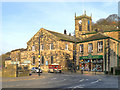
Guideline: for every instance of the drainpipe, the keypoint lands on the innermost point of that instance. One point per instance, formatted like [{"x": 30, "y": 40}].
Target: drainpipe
[
  {"x": 105, "y": 54},
  {"x": 108, "y": 55},
  {"x": 117, "y": 54}
]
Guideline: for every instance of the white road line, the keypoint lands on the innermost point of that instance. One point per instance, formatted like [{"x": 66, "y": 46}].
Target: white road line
[
  {"x": 53, "y": 78},
  {"x": 87, "y": 79},
  {"x": 81, "y": 80},
  {"x": 78, "y": 86},
  {"x": 96, "y": 81}
]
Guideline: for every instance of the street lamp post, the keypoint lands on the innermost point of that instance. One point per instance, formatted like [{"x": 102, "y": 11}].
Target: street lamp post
[
  {"x": 75, "y": 56},
  {"x": 40, "y": 36},
  {"x": 16, "y": 68}
]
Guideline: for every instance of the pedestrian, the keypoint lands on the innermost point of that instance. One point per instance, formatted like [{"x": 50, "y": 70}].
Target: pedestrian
[{"x": 82, "y": 70}]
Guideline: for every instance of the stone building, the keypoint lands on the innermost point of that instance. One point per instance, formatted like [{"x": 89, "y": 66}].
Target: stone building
[
  {"x": 54, "y": 48},
  {"x": 16, "y": 55},
  {"x": 94, "y": 50}
]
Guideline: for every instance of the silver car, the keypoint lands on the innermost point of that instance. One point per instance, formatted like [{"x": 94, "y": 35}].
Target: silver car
[{"x": 35, "y": 70}]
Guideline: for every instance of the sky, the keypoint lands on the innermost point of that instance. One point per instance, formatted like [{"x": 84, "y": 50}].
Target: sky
[{"x": 21, "y": 20}]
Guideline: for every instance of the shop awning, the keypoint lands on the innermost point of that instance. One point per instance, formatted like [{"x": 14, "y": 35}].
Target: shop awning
[{"x": 91, "y": 57}]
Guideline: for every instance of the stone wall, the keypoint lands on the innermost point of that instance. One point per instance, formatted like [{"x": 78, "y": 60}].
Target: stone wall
[{"x": 10, "y": 71}]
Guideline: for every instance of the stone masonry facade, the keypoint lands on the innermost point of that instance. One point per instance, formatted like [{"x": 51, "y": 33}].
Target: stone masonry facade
[{"x": 93, "y": 49}]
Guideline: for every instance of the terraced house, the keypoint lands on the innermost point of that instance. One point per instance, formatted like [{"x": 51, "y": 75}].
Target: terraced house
[{"x": 95, "y": 50}]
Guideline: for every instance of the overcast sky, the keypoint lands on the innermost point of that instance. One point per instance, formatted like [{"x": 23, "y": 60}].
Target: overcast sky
[{"x": 21, "y": 20}]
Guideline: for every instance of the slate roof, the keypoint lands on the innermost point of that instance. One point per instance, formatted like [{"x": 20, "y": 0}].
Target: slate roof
[
  {"x": 65, "y": 37},
  {"x": 94, "y": 32},
  {"x": 97, "y": 36},
  {"x": 8, "y": 58},
  {"x": 21, "y": 49}
]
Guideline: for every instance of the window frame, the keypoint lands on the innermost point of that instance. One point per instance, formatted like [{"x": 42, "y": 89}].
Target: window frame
[
  {"x": 33, "y": 47},
  {"x": 66, "y": 47},
  {"x": 33, "y": 60},
  {"x": 99, "y": 47},
  {"x": 88, "y": 48},
  {"x": 42, "y": 46},
  {"x": 82, "y": 48},
  {"x": 51, "y": 46},
  {"x": 51, "y": 59},
  {"x": 42, "y": 60}
]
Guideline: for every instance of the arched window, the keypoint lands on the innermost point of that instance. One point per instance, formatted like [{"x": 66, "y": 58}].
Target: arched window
[
  {"x": 51, "y": 59},
  {"x": 88, "y": 25},
  {"x": 42, "y": 60},
  {"x": 80, "y": 27},
  {"x": 33, "y": 59}
]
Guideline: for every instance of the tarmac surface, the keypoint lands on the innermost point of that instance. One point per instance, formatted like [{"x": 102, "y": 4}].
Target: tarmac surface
[{"x": 63, "y": 81}]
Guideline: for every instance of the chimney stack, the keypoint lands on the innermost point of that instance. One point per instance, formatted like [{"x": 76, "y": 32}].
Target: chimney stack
[
  {"x": 69, "y": 34},
  {"x": 65, "y": 32}
]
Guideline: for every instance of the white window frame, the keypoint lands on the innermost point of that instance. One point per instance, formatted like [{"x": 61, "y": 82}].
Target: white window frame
[
  {"x": 66, "y": 46},
  {"x": 81, "y": 48},
  {"x": 100, "y": 46},
  {"x": 33, "y": 48},
  {"x": 51, "y": 46},
  {"x": 42, "y": 46},
  {"x": 89, "y": 49}
]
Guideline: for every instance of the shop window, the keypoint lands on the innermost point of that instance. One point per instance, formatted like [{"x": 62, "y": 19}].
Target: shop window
[
  {"x": 66, "y": 46},
  {"x": 42, "y": 47},
  {"x": 100, "y": 46},
  {"x": 42, "y": 60},
  {"x": 33, "y": 59},
  {"x": 81, "y": 48},
  {"x": 51, "y": 59},
  {"x": 90, "y": 47},
  {"x": 51, "y": 46}
]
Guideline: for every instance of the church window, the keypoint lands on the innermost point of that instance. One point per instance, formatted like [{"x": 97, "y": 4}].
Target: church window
[
  {"x": 88, "y": 25},
  {"x": 66, "y": 46},
  {"x": 51, "y": 46},
  {"x": 33, "y": 48},
  {"x": 80, "y": 27},
  {"x": 42, "y": 60},
  {"x": 51, "y": 59},
  {"x": 33, "y": 59},
  {"x": 42, "y": 47}
]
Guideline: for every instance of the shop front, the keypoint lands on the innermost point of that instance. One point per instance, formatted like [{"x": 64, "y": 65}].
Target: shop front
[{"x": 91, "y": 63}]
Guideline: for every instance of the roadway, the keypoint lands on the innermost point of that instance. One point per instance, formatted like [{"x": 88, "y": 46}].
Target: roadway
[{"x": 71, "y": 80}]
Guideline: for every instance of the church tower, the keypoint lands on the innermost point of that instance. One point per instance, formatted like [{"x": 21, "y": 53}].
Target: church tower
[{"x": 82, "y": 24}]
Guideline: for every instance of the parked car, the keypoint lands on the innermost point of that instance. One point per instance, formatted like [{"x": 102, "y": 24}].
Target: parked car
[
  {"x": 35, "y": 70},
  {"x": 54, "y": 68}
]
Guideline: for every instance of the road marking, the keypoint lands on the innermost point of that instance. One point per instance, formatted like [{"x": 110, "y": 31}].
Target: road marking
[
  {"x": 87, "y": 79},
  {"x": 81, "y": 80},
  {"x": 78, "y": 86},
  {"x": 53, "y": 78},
  {"x": 96, "y": 81}
]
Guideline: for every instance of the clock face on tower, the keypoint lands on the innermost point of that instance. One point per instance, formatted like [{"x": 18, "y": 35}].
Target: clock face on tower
[{"x": 80, "y": 21}]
